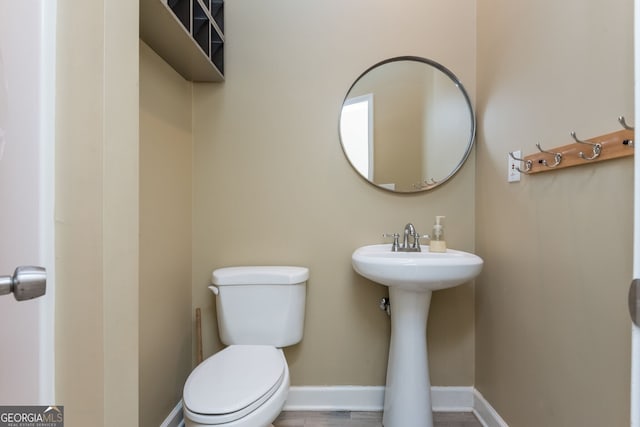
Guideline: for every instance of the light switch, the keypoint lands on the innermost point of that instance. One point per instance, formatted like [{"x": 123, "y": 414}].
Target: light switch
[{"x": 513, "y": 175}]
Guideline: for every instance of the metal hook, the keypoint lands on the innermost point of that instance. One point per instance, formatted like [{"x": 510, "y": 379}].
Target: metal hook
[
  {"x": 624, "y": 124},
  {"x": 556, "y": 156},
  {"x": 528, "y": 164},
  {"x": 596, "y": 148}
]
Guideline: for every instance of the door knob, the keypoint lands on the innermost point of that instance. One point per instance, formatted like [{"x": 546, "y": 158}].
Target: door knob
[
  {"x": 27, "y": 282},
  {"x": 634, "y": 301}
]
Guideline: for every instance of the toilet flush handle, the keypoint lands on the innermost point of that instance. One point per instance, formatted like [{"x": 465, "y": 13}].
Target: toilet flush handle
[{"x": 214, "y": 289}]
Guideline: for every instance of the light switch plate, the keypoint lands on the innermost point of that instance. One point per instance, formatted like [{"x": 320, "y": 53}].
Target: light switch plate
[{"x": 513, "y": 175}]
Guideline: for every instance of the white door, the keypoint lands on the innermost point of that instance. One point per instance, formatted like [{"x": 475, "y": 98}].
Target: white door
[
  {"x": 635, "y": 332},
  {"x": 27, "y": 82}
]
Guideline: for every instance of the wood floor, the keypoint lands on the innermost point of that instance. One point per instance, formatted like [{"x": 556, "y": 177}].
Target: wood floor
[{"x": 366, "y": 419}]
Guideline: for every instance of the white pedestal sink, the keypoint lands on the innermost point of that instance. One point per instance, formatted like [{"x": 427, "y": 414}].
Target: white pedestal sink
[{"x": 411, "y": 278}]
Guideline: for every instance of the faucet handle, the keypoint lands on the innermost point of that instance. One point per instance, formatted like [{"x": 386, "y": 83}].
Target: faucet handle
[
  {"x": 417, "y": 237},
  {"x": 395, "y": 244}
]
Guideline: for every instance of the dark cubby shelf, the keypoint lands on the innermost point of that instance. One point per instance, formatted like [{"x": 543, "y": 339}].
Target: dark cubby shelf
[
  {"x": 200, "y": 27},
  {"x": 194, "y": 45},
  {"x": 217, "y": 53},
  {"x": 182, "y": 10},
  {"x": 217, "y": 13}
]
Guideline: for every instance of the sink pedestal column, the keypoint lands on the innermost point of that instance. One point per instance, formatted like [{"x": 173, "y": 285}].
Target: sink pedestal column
[{"x": 407, "y": 401}]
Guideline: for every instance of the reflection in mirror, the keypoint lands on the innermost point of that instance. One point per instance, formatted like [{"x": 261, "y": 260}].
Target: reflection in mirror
[
  {"x": 357, "y": 127},
  {"x": 407, "y": 124}
]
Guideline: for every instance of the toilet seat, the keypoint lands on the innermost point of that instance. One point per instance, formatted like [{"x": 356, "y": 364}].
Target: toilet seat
[{"x": 233, "y": 383}]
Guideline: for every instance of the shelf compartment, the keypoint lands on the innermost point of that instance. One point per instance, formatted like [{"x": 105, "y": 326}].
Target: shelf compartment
[
  {"x": 217, "y": 50},
  {"x": 182, "y": 10},
  {"x": 200, "y": 27},
  {"x": 216, "y": 9}
]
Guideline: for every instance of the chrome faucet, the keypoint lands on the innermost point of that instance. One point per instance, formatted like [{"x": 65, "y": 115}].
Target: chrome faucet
[
  {"x": 405, "y": 246},
  {"x": 409, "y": 230}
]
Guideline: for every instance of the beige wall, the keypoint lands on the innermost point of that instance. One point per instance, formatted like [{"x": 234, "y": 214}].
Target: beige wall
[
  {"x": 97, "y": 212},
  {"x": 165, "y": 237},
  {"x": 552, "y": 332},
  {"x": 272, "y": 186},
  {"x": 550, "y": 344}
]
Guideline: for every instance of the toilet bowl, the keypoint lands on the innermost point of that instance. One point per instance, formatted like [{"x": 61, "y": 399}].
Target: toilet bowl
[
  {"x": 240, "y": 386},
  {"x": 260, "y": 310}
]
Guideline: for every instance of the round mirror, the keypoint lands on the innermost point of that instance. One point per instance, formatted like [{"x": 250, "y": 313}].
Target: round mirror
[{"x": 407, "y": 124}]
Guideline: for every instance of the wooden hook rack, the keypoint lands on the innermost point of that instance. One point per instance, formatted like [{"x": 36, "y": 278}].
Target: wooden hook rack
[{"x": 610, "y": 146}]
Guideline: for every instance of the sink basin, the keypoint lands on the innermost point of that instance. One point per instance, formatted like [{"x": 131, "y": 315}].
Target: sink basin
[
  {"x": 419, "y": 271},
  {"x": 411, "y": 277}
]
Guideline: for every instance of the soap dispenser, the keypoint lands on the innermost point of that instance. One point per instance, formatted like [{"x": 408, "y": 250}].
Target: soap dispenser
[{"x": 437, "y": 243}]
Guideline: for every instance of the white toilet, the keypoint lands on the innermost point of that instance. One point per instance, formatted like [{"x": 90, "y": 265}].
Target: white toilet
[{"x": 260, "y": 310}]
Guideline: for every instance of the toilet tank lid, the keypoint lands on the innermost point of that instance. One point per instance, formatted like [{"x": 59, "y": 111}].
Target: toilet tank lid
[{"x": 260, "y": 275}]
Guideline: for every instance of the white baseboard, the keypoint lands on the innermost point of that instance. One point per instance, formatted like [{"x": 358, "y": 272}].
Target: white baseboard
[
  {"x": 451, "y": 399},
  {"x": 175, "y": 417},
  {"x": 485, "y": 412},
  {"x": 371, "y": 398},
  {"x": 335, "y": 398}
]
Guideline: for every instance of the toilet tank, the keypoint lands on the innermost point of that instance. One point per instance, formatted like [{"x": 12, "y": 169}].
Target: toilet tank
[{"x": 260, "y": 305}]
